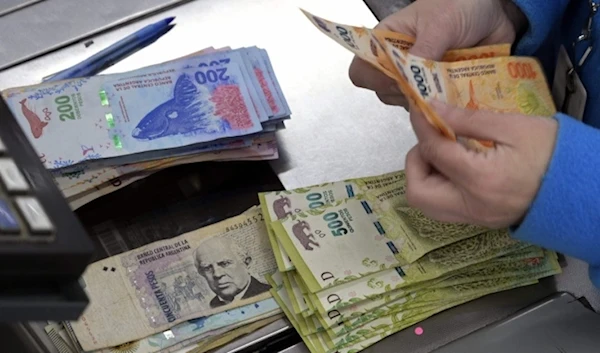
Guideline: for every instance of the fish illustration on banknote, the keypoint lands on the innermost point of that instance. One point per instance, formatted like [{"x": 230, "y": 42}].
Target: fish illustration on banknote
[
  {"x": 189, "y": 110},
  {"x": 35, "y": 123}
]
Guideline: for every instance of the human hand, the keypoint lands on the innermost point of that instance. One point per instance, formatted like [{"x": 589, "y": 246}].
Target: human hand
[
  {"x": 495, "y": 188},
  {"x": 438, "y": 26}
]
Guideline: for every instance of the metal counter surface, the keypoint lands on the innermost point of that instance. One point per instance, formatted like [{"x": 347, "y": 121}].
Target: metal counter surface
[
  {"x": 30, "y": 28},
  {"x": 337, "y": 131}
]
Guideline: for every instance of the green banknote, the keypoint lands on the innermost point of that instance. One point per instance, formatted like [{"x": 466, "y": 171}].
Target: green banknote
[
  {"x": 296, "y": 283},
  {"x": 304, "y": 326},
  {"x": 455, "y": 289},
  {"x": 498, "y": 267},
  {"x": 360, "y": 335},
  {"x": 278, "y": 205},
  {"x": 442, "y": 261},
  {"x": 300, "y": 305},
  {"x": 442, "y": 300},
  {"x": 360, "y": 237}
]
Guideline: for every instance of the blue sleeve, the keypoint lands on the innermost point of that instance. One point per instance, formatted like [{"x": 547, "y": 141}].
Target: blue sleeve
[
  {"x": 565, "y": 214},
  {"x": 544, "y": 17}
]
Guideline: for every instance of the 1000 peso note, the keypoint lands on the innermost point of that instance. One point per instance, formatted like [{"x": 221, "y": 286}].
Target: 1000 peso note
[
  {"x": 360, "y": 41},
  {"x": 152, "y": 288},
  {"x": 501, "y": 84},
  {"x": 476, "y": 78}
]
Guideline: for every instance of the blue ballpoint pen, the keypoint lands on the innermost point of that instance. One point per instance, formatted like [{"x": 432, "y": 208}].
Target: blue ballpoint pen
[
  {"x": 115, "y": 57},
  {"x": 123, "y": 53},
  {"x": 115, "y": 52}
]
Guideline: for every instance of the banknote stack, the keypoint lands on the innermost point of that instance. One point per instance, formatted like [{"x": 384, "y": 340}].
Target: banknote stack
[
  {"x": 357, "y": 264},
  {"x": 101, "y": 133},
  {"x": 191, "y": 293}
]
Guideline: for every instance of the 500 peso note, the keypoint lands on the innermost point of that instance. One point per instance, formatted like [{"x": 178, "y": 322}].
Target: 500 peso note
[
  {"x": 277, "y": 205},
  {"x": 437, "y": 263},
  {"x": 360, "y": 237}
]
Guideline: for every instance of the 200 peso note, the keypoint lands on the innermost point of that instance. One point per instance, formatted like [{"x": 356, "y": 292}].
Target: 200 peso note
[
  {"x": 154, "y": 108},
  {"x": 152, "y": 288}
]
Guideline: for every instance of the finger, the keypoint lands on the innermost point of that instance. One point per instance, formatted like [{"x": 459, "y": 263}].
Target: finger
[
  {"x": 430, "y": 192},
  {"x": 416, "y": 120},
  {"x": 393, "y": 99},
  {"x": 448, "y": 157},
  {"x": 478, "y": 124},
  {"x": 403, "y": 21},
  {"x": 430, "y": 42},
  {"x": 364, "y": 75}
]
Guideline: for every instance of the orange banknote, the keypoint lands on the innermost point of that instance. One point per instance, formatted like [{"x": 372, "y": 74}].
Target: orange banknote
[
  {"x": 359, "y": 40},
  {"x": 502, "y": 84},
  {"x": 485, "y": 77}
]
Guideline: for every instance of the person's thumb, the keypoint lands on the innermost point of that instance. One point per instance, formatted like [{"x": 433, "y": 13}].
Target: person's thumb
[
  {"x": 477, "y": 124},
  {"x": 432, "y": 42}
]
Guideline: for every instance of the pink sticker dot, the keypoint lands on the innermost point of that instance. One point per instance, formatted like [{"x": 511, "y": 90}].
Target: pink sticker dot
[{"x": 418, "y": 331}]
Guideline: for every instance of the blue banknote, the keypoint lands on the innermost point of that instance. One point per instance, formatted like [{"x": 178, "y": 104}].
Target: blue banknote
[
  {"x": 109, "y": 116},
  {"x": 202, "y": 325}
]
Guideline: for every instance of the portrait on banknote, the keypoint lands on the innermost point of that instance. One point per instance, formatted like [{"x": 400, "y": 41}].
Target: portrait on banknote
[
  {"x": 154, "y": 287},
  {"x": 225, "y": 266}
]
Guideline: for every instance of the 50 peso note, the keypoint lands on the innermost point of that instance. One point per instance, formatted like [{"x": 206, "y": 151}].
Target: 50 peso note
[
  {"x": 201, "y": 327},
  {"x": 152, "y": 288}
]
